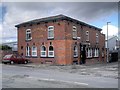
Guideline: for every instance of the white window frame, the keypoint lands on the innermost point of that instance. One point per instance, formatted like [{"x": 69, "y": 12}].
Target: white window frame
[
  {"x": 75, "y": 51},
  {"x": 97, "y": 38},
  {"x": 50, "y": 52},
  {"x": 43, "y": 51},
  {"x": 28, "y": 31},
  {"x": 49, "y": 30},
  {"x": 102, "y": 53},
  {"x": 96, "y": 52},
  {"x": 89, "y": 52},
  {"x": 27, "y": 50},
  {"x": 34, "y": 51},
  {"x": 74, "y": 32},
  {"x": 87, "y": 35}
]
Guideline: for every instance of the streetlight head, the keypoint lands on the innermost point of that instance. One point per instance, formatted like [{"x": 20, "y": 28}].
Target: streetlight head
[{"x": 108, "y": 22}]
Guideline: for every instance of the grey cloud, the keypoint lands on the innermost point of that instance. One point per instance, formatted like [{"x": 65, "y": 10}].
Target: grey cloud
[
  {"x": 81, "y": 10},
  {"x": 24, "y": 11}
]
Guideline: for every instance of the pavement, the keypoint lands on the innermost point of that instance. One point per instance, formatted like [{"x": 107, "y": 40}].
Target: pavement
[
  {"x": 49, "y": 76},
  {"x": 108, "y": 70}
]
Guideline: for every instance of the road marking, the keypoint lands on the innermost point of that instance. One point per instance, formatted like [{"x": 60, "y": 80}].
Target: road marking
[
  {"x": 80, "y": 83},
  {"x": 47, "y": 79}
]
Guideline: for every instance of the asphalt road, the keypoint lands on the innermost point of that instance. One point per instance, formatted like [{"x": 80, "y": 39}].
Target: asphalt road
[{"x": 26, "y": 77}]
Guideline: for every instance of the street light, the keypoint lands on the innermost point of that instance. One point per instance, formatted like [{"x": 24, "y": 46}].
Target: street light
[{"x": 107, "y": 43}]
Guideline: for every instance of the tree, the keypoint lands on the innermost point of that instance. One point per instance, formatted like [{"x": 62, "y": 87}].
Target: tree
[{"x": 5, "y": 47}]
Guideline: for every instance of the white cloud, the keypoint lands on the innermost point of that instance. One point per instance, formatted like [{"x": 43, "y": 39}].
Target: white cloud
[{"x": 112, "y": 30}]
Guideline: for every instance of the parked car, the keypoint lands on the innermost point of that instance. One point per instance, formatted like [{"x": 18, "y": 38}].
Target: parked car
[{"x": 11, "y": 58}]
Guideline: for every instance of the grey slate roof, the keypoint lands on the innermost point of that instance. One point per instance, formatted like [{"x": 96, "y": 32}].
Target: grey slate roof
[{"x": 58, "y": 17}]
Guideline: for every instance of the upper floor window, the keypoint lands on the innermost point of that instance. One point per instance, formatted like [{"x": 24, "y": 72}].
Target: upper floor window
[
  {"x": 74, "y": 32},
  {"x": 43, "y": 51},
  {"x": 27, "y": 51},
  {"x": 51, "y": 51},
  {"x": 34, "y": 51},
  {"x": 50, "y": 32},
  {"x": 75, "y": 51},
  {"x": 87, "y": 35},
  {"x": 28, "y": 34},
  {"x": 97, "y": 38}
]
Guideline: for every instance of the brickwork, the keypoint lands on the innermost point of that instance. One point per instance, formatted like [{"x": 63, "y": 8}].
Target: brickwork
[{"x": 63, "y": 41}]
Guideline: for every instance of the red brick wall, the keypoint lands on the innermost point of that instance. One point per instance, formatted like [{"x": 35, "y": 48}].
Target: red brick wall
[
  {"x": 63, "y": 42},
  {"x": 39, "y": 36}
]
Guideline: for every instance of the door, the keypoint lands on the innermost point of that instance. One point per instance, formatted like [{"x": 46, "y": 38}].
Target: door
[{"x": 82, "y": 54}]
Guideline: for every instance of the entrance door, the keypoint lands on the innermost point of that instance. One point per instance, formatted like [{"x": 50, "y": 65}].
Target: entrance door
[{"x": 83, "y": 54}]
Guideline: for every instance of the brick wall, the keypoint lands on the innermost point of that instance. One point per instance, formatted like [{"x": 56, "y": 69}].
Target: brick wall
[{"x": 63, "y": 42}]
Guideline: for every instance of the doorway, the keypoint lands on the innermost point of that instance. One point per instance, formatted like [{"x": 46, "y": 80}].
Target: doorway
[{"x": 82, "y": 54}]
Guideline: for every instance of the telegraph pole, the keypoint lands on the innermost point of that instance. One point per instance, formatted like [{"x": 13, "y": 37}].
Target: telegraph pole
[{"x": 107, "y": 43}]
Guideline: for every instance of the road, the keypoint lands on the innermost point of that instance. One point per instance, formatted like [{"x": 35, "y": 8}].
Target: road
[{"x": 26, "y": 77}]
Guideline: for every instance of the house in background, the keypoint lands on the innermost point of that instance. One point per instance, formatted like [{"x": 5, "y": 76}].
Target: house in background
[
  {"x": 60, "y": 40},
  {"x": 113, "y": 43},
  {"x": 113, "y": 47}
]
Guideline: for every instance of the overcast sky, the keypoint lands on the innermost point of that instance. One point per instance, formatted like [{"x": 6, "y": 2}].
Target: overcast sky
[{"x": 93, "y": 13}]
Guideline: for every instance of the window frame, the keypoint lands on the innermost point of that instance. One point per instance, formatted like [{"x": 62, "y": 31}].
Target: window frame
[
  {"x": 96, "y": 52},
  {"x": 28, "y": 51},
  {"x": 41, "y": 51},
  {"x": 34, "y": 51},
  {"x": 50, "y": 51},
  {"x": 74, "y": 30},
  {"x": 97, "y": 38},
  {"x": 49, "y": 32},
  {"x": 75, "y": 51},
  {"x": 27, "y": 33},
  {"x": 89, "y": 52},
  {"x": 87, "y": 35}
]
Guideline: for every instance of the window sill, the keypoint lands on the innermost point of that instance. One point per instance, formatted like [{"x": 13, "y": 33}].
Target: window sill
[
  {"x": 43, "y": 57},
  {"x": 34, "y": 56},
  {"x": 89, "y": 57},
  {"x": 96, "y": 57},
  {"x": 28, "y": 40},
  {"x": 50, "y": 57},
  {"x": 46, "y": 57},
  {"x": 75, "y": 56},
  {"x": 50, "y": 39},
  {"x": 87, "y": 40},
  {"x": 28, "y": 56},
  {"x": 74, "y": 38}
]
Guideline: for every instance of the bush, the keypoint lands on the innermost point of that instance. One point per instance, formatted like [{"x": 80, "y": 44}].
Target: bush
[{"x": 5, "y": 47}]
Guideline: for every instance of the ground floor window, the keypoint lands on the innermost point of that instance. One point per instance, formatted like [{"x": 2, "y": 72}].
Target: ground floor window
[
  {"x": 96, "y": 52},
  {"x": 27, "y": 51},
  {"x": 89, "y": 52},
  {"x": 51, "y": 51},
  {"x": 34, "y": 51},
  {"x": 75, "y": 51},
  {"x": 43, "y": 51}
]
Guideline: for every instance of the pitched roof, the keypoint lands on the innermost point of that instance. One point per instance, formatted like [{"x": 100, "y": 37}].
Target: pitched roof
[{"x": 57, "y": 17}]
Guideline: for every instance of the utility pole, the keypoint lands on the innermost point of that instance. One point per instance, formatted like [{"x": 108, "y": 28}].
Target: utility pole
[{"x": 107, "y": 43}]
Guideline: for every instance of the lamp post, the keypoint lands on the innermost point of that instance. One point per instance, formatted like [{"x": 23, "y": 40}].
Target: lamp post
[{"x": 107, "y": 43}]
